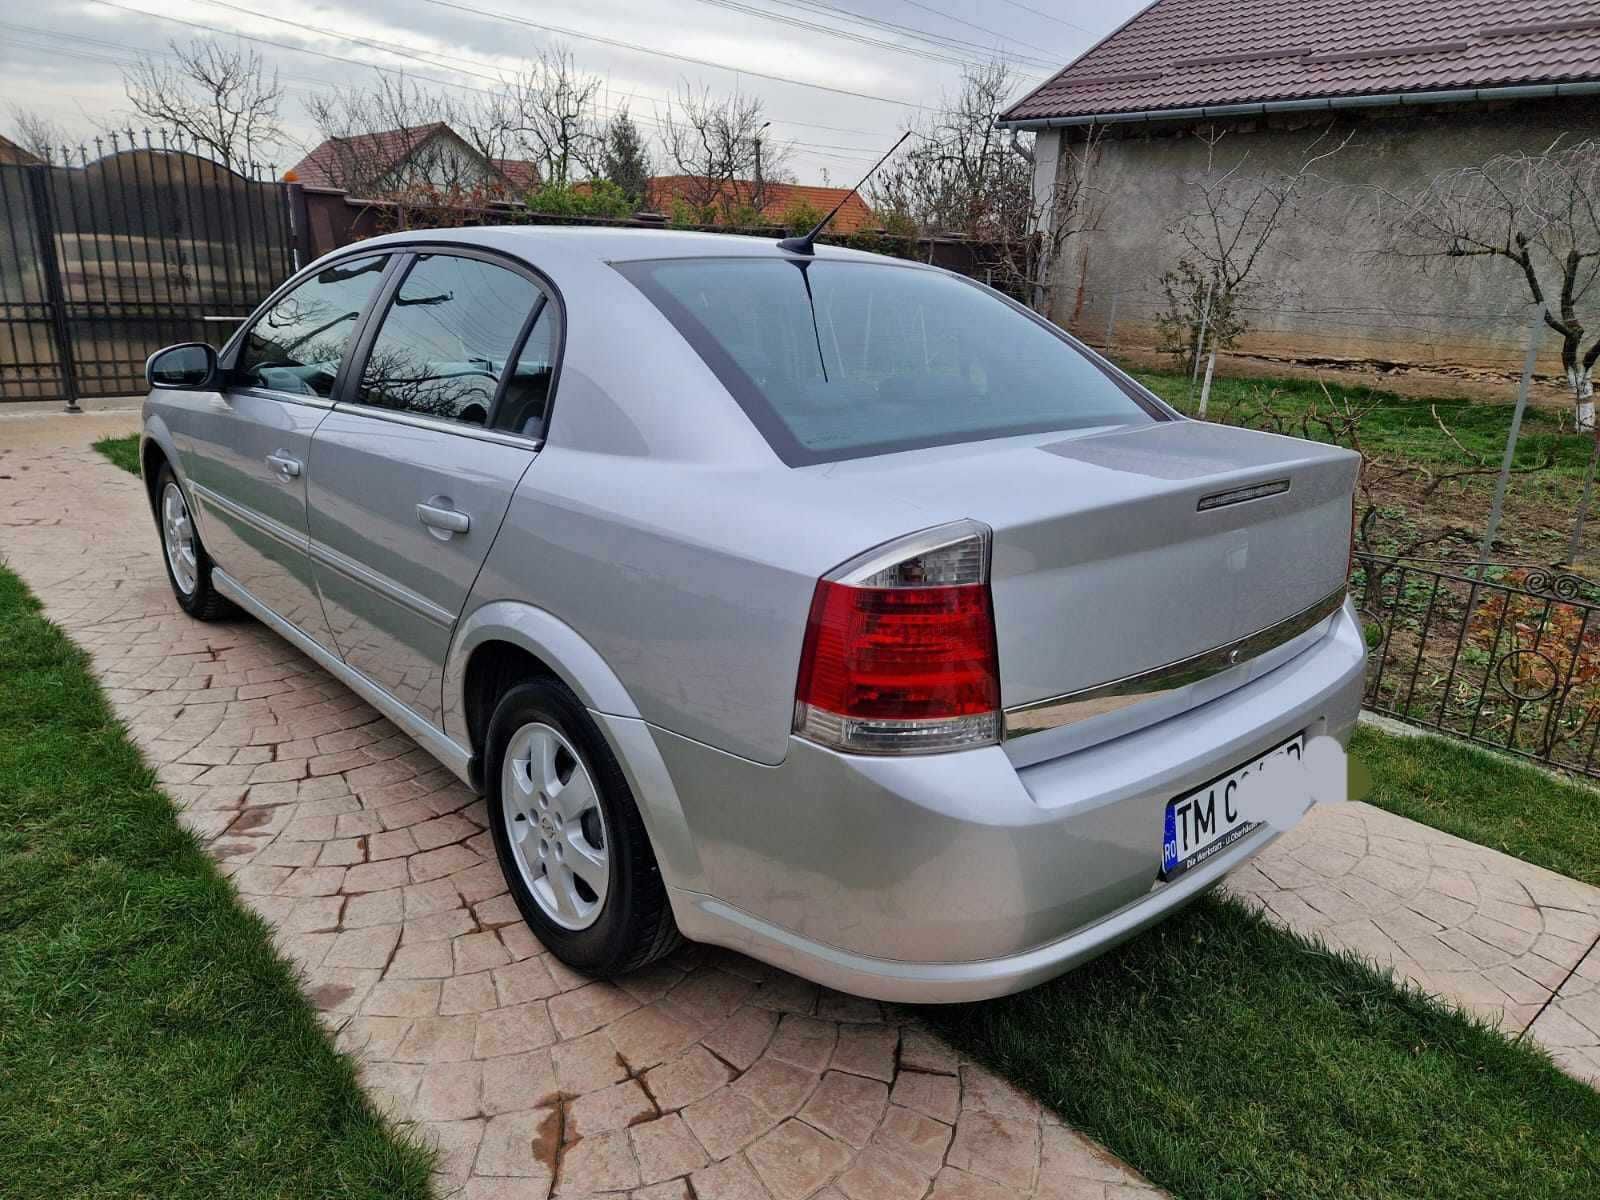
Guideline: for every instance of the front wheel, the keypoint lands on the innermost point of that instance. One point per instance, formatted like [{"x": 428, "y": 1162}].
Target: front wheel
[
  {"x": 188, "y": 564},
  {"x": 569, "y": 837}
]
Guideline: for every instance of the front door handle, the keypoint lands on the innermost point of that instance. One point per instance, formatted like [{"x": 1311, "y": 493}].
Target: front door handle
[
  {"x": 288, "y": 468},
  {"x": 447, "y": 520}
]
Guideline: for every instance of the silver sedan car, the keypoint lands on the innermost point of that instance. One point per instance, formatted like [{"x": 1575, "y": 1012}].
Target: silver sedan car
[{"x": 825, "y": 606}]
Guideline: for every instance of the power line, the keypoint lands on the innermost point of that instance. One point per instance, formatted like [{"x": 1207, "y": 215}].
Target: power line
[
  {"x": 952, "y": 55},
  {"x": 637, "y": 48},
  {"x": 939, "y": 12},
  {"x": 381, "y": 69},
  {"x": 402, "y": 50},
  {"x": 414, "y": 53},
  {"x": 941, "y": 40},
  {"x": 1039, "y": 12}
]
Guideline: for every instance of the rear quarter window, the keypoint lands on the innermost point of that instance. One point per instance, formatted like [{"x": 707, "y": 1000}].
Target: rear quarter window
[{"x": 835, "y": 360}]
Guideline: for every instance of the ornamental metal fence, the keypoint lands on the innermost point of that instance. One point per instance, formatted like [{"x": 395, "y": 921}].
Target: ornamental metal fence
[
  {"x": 109, "y": 254},
  {"x": 1503, "y": 655}
]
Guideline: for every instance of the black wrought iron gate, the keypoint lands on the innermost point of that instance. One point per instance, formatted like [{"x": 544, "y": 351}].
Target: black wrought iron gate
[{"x": 106, "y": 259}]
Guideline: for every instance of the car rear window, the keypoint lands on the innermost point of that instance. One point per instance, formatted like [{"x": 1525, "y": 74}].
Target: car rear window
[{"x": 835, "y": 360}]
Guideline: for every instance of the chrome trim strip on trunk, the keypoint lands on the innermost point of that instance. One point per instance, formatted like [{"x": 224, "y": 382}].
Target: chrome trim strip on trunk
[{"x": 1072, "y": 707}]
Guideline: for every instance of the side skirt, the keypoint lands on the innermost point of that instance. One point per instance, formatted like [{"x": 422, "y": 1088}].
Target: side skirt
[{"x": 445, "y": 749}]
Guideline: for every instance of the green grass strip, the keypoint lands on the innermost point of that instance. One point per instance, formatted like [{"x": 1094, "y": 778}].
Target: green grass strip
[
  {"x": 1486, "y": 798},
  {"x": 124, "y": 451},
  {"x": 1228, "y": 1059},
  {"x": 151, "y": 1041}
]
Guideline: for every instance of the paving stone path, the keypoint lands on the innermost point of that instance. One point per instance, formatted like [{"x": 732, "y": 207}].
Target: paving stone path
[{"x": 711, "y": 1071}]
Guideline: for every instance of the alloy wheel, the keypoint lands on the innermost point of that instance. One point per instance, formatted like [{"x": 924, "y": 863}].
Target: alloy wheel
[
  {"x": 556, "y": 825},
  {"x": 177, "y": 537}
]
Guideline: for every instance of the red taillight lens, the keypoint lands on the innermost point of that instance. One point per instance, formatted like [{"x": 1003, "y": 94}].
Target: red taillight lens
[
  {"x": 900, "y": 669},
  {"x": 900, "y": 653}
]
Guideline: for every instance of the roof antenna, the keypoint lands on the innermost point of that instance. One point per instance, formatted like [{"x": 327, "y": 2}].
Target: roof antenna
[{"x": 803, "y": 245}]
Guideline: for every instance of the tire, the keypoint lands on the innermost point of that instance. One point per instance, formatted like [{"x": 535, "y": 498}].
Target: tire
[
  {"x": 558, "y": 803},
  {"x": 183, "y": 554}
]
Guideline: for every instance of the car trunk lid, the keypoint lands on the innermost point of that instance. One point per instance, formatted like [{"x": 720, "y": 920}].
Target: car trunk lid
[{"x": 1119, "y": 552}]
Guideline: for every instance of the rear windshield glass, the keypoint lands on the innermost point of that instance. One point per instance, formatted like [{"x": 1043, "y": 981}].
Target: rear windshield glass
[{"x": 836, "y": 360}]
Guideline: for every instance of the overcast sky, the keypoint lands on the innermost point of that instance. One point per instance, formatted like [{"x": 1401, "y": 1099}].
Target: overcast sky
[{"x": 64, "y": 58}]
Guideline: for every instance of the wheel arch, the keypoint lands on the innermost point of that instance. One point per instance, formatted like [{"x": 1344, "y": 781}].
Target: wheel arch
[
  {"x": 505, "y": 642},
  {"x": 157, "y": 447}
]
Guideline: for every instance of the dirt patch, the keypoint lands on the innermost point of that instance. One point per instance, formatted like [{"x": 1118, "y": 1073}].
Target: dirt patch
[
  {"x": 329, "y": 996},
  {"x": 1422, "y": 383},
  {"x": 547, "y": 1139}
]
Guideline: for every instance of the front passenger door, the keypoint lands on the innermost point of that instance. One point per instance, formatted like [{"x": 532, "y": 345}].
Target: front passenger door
[
  {"x": 410, "y": 480},
  {"x": 251, "y": 443}
]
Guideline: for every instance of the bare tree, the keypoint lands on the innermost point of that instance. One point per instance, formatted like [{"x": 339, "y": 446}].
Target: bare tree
[
  {"x": 223, "y": 99},
  {"x": 552, "y": 110},
  {"x": 961, "y": 176},
  {"x": 36, "y": 133},
  {"x": 1233, "y": 218},
  {"x": 716, "y": 144},
  {"x": 1539, "y": 216},
  {"x": 964, "y": 175},
  {"x": 1060, "y": 209}
]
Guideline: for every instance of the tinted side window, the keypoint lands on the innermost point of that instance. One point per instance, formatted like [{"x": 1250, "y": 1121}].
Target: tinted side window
[
  {"x": 298, "y": 344},
  {"x": 446, "y": 339},
  {"x": 526, "y": 400}
]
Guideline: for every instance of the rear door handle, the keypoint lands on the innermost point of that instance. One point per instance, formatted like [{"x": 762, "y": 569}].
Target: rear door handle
[
  {"x": 448, "y": 520},
  {"x": 287, "y": 467}
]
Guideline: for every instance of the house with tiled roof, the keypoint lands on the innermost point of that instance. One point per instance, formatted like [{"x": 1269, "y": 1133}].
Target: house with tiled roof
[
  {"x": 1189, "y": 89},
  {"x": 390, "y": 160},
  {"x": 15, "y": 155},
  {"x": 777, "y": 200}
]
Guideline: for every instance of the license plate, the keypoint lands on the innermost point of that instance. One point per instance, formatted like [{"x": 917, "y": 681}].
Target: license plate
[{"x": 1207, "y": 821}]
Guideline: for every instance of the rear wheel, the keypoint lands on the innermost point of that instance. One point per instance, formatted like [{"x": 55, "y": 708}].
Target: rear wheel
[
  {"x": 569, "y": 836},
  {"x": 188, "y": 564}
]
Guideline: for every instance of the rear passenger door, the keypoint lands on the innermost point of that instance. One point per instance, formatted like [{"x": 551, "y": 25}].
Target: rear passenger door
[{"x": 413, "y": 471}]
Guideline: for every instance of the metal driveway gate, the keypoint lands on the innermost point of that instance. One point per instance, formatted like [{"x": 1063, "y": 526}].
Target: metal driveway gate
[{"x": 104, "y": 260}]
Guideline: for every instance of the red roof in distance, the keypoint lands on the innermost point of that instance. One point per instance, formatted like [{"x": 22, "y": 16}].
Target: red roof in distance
[{"x": 780, "y": 197}]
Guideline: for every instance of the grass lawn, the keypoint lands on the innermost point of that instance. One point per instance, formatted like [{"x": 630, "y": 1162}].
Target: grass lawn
[
  {"x": 1225, "y": 1058},
  {"x": 1486, "y": 798},
  {"x": 151, "y": 1042},
  {"x": 1400, "y": 427},
  {"x": 124, "y": 451}
]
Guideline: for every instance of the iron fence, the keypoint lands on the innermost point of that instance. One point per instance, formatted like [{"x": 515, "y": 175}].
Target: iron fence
[
  {"x": 107, "y": 257},
  {"x": 1503, "y": 655}
]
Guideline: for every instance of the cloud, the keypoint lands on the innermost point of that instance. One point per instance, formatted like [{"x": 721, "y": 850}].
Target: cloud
[{"x": 65, "y": 60}]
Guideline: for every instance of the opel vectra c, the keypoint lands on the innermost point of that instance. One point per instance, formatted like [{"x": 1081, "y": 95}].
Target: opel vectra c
[{"x": 829, "y": 607}]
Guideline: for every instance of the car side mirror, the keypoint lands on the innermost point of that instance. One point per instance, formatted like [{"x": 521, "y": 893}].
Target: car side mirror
[{"x": 189, "y": 365}]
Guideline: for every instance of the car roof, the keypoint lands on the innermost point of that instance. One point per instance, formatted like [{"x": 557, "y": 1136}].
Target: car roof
[{"x": 618, "y": 244}]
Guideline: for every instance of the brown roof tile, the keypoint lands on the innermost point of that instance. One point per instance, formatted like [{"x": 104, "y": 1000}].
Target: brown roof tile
[
  {"x": 326, "y": 164},
  {"x": 855, "y": 215},
  {"x": 1180, "y": 54}
]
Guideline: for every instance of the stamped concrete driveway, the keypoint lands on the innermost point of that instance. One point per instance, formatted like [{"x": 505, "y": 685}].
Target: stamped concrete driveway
[{"x": 710, "y": 1071}]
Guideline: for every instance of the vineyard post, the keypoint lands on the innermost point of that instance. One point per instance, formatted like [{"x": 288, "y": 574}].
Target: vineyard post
[{"x": 1534, "y": 326}]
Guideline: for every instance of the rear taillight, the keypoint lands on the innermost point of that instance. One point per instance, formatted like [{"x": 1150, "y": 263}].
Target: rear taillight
[{"x": 899, "y": 654}]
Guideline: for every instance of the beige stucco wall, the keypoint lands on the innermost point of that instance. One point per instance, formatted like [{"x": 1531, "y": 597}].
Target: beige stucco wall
[{"x": 1327, "y": 292}]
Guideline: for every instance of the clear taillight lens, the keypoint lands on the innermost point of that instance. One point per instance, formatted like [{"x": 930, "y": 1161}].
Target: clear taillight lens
[{"x": 899, "y": 654}]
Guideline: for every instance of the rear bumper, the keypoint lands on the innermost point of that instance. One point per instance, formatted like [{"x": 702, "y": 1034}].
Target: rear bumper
[{"x": 964, "y": 876}]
